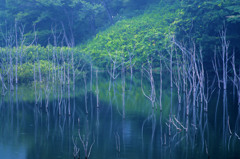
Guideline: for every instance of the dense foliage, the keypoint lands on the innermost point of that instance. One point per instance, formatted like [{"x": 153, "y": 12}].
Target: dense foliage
[
  {"x": 34, "y": 33},
  {"x": 79, "y": 18}
]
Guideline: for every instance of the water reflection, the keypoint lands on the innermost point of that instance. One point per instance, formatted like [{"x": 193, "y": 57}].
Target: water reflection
[{"x": 32, "y": 132}]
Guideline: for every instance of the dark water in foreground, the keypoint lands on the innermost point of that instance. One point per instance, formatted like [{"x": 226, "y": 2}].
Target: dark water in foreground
[{"x": 30, "y": 132}]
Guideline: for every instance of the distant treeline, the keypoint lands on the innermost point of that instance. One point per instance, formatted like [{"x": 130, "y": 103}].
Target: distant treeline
[
  {"x": 161, "y": 28},
  {"x": 81, "y": 19}
]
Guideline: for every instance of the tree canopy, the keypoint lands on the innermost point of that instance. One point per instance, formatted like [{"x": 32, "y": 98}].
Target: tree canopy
[{"x": 79, "y": 18}]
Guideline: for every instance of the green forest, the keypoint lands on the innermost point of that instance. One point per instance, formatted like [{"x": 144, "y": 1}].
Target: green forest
[
  {"x": 119, "y": 79},
  {"x": 38, "y": 31}
]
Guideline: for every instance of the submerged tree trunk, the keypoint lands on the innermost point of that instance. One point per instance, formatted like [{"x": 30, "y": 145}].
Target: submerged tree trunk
[
  {"x": 97, "y": 90},
  {"x": 225, "y": 59},
  {"x": 149, "y": 74},
  {"x": 16, "y": 64},
  {"x": 160, "y": 85},
  {"x": 123, "y": 88},
  {"x": 85, "y": 84}
]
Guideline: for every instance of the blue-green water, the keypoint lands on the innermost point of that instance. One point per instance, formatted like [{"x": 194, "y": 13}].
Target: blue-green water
[{"x": 28, "y": 131}]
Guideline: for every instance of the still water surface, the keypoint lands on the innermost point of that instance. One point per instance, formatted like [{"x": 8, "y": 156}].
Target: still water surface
[{"x": 30, "y": 132}]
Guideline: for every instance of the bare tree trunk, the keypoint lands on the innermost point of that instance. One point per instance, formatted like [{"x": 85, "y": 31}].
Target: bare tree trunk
[
  {"x": 35, "y": 83},
  {"x": 189, "y": 88},
  {"x": 113, "y": 69},
  {"x": 91, "y": 77},
  {"x": 85, "y": 84},
  {"x": 149, "y": 75},
  {"x": 61, "y": 92},
  {"x": 215, "y": 64},
  {"x": 170, "y": 66},
  {"x": 236, "y": 81},
  {"x": 131, "y": 56},
  {"x": 225, "y": 46},
  {"x": 161, "y": 82},
  {"x": 3, "y": 70},
  {"x": 194, "y": 80},
  {"x": 40, "y": 77},
  {"x": 110, "y": 81},
  {"x": 84, "y": 139},
  {"x": 207, "y": 95},
  {"x": 177, "y": 80},
  {"x": 97, "y": 90},
  {"x": 47, "y": 89},
  {"x": 16, "y": 64},
  {"x": 3, "y": 84},
  {"x": 11, "y": 70},
  {"x": 69, "y": 92},
  {"x": 73, "y": 70},
  {"x": 123, "y": 88}
]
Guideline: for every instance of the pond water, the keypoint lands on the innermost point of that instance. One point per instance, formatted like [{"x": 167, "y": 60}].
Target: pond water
[{"x": 28, "y": 131}]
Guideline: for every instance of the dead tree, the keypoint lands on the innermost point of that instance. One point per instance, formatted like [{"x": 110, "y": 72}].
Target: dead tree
[
  {"x": 47, "y": 89},
  {"x": 3, "y": 70},
  {"x": 85, "y": 84},
  {"x": 161, "y": 83},
  {"x": 54, "y": 53},
  {"x": 69, "y": 90},
  {"x": 170, "y": 65},
  {"x": 16, "y": 53},
  {"x": 131, "y": 62},
  {"x": 9, "y": 50},
  {"x": 123, "y": 87},
  {"x": 39, "y": 98},
  {"x": 194, "y": 78},
  {"x": 117, "y": 141},
  {"x": 76, "y": 149},
  {"x": 22, "y": 40},
  {"x": 85, "y": 142},
  {"x": 113, "y": 69},
  {"x": 6, "y": 59},
  {"x": 177, "y": 80},
  {"x": 60, "y": 90},
  {"x": 188, "y": 91},
  {"x": 186, "y": 73},
  {"x": 193, "y": 75},
  {"x": 148, "y": 72},
  {"x": 97, "y": 90},
  {"x": 224, "y": 56},
  {"x": 236, "y": 81},
  {"x": 208, "y": 94},
  {"x": 200, "y": 75},
  {"x": 91, "y": 76},
  {"x": 35, "y": 83},
  {"x": 216, "y": 66},
  {"x": 3, "y": 84},
  {"x": 47, "y": 93}
]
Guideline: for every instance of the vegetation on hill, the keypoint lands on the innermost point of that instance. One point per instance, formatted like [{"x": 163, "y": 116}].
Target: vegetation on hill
[{"x": 134, "y": 39}]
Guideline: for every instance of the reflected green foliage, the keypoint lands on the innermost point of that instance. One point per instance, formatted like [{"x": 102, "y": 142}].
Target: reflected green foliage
[{"x": 135, "y": 75}]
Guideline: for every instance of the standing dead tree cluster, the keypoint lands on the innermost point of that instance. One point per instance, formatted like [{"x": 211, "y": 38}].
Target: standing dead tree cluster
[
  {"x": 190, "y": 78},
  {"x": 222, "y": 67},
  {"x": 53, "y": 69},
  {"x": 11, "y": 56}
]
